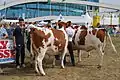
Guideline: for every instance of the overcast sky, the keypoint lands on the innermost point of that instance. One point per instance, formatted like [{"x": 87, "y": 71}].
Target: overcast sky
[
  {"x": 117, "y": 2},
  {"x": 105, "y": 1}
]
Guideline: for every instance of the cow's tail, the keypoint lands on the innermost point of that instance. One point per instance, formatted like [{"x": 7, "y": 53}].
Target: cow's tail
[{"x": 111, "y": 42}]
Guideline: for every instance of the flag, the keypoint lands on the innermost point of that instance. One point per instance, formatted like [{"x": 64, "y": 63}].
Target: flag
[
  {"x": 60, "y": 17},
  {"x": 96, "y": 12},
  {"x": 103, "y": 16}
]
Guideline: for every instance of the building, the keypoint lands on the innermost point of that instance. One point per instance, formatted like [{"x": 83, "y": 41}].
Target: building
[{"x": 37, "y": 8}]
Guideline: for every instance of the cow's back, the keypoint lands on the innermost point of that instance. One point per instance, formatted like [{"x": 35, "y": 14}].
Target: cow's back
[{"x": 59, "y": 39}]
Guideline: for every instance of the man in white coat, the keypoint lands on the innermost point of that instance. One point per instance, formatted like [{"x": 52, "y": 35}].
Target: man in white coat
[{"x": 70, "y": 31}]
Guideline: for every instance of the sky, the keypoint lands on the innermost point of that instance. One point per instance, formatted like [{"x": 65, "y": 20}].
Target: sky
[{"x": 115, "y": 2}]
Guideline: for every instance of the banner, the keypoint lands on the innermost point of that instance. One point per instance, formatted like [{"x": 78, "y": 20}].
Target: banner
[{"x": 7, "y": 51}]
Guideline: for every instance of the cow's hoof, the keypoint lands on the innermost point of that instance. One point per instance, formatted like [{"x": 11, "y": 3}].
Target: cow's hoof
[
  {"x": 99, "y": 66},
  {"x": 1, "y": 71},
  {"x": 36, "y": 72},
  {"x": 43, "y": 74},
  {"x": 31, "y": 66},
  {"x": 79, "y": 61},
  {"x": 53, "y": 66},
  {"x": 88, "y": 56},
  {"x": 62, "y": 67}
]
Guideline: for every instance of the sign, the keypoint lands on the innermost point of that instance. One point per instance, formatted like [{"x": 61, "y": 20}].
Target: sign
[
  {"x": 7, "y": 52},
  {"x": 96, "y": 20}
]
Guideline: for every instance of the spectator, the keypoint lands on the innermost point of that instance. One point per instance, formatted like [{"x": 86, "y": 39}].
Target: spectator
[
  {"x": 9, "y": 30},
  {"x": 19, "y": 41},
  {"x": 3, "y": 32}
]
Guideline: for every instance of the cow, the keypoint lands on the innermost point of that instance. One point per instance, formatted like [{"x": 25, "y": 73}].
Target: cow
[
  {"x": 88, "y": 39},
  {"x": 47, "y": 39}
]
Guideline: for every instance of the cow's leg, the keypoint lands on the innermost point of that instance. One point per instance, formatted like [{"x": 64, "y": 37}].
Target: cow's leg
[
  {"x": 1, "y": 71},
  {"x": 79, "y": 56},
  {"x": 88, "y": 54},
  {"x": 115, "y": 32},
  {"x": 101, "y": 53},
  {"x": 40, "y": 58},
  {"x": 32, "y": 59},
  {"x": 104, "y": 44},
  {"x": 54, "y": 59},
  {"x": 62, "y": 58},
  {"x": 36, "y": 65},
  {"x": 31, "y": 52}
]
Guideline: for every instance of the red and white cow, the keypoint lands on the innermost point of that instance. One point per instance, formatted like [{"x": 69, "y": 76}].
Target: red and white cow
[
  {"x": 89, "y": 39},
  {"x": 43, "y": 40}
]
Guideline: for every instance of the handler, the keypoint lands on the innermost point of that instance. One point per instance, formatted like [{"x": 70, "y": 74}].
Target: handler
[{"x": 19, "y": 41}]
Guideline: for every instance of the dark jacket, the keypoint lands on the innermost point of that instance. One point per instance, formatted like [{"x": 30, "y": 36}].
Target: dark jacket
[{"x": 19, "y": 35}]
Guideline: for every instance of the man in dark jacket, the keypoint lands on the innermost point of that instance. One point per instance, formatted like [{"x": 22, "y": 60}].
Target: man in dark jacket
[{"x": 19, "y": 42}]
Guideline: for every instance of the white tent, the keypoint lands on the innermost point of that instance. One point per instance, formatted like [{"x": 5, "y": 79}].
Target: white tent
[
  {"x": 82, "y": 20},
  {"x": 107, "y": 20},
  {"x": 88, "y": 19},
  {"x": 60, "y": 17},
  {"x": 8, "y": 21}
]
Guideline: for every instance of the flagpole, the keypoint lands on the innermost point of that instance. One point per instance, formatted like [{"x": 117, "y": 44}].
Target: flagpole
[
  {"x": 5, "y": 8},
  {"x": 86, "y": 9},
  {"x": 111, "y": 18},
  {"x": 49, "y": 2},
  {"x": 50, "y": 8},
  {"x": 38, "y": 9},
  {"x": 65, "y": 7}
]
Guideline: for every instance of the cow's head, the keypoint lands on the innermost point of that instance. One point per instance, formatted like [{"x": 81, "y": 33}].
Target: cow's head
[
  {"x": 76, "y": 27},
  {"x": 83, "y": 27},
  {"x": 34, "y": 30},
  {"x": 61, "y": 24},
  {"x": 39, "y": 36}
]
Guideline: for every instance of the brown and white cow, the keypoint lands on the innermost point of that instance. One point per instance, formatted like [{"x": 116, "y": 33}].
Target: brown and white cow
[
  {"x": 43, "y": 40},
  {"x": 88, "y": 39}
]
